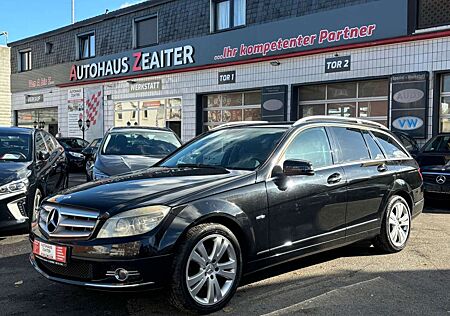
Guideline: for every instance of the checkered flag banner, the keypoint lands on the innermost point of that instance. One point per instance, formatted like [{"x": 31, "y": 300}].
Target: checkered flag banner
[{"x": 93, "y": 107}]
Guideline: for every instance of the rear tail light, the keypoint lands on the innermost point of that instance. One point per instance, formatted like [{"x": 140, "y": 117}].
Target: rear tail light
[{"x": 420, "y": 173}]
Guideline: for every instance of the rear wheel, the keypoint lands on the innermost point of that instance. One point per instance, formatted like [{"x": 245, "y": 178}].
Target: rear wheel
[
  {"x": 207, "y": 269},
  {"x": 395, "y": 227}
]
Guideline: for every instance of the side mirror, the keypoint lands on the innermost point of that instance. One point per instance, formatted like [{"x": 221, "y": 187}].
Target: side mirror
[
  {"x": 298, "y": 168},
  {"x": 43, "y": 155}
]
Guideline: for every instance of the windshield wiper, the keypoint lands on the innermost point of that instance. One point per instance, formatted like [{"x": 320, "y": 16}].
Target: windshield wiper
[{"x": 200, "y": 165}]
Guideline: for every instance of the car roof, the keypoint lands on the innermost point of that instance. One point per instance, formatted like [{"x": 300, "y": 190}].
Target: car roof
[
  {"x": 133, "y": 128},
  {"x": 17, "y": 130},
  {"x": 68, "y": 138}
]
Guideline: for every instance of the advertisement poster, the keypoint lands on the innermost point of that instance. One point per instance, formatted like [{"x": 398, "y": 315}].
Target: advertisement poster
[
  {"x": 74, "y": 111},
  {"x": 93, "y": 109}
]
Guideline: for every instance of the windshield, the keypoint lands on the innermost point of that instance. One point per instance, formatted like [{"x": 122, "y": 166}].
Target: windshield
[
  {"x": 439, "y": 144},
  {"x": 140, "y": 142},
  {"x": 73, "y": 143},
  {"x": 236, "y": 148},
  {"x": 95, "y": 143},
  {"x": 15, "y": 147}
]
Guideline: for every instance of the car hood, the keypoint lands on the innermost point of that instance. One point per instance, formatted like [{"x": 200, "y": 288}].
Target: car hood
[
  {"x": 153, "y": 186},
  {"x": 112, "y": 165},
  {"x": 10, "y": 171}
]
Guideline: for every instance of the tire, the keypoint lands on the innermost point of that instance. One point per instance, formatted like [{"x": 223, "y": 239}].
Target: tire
[
  {"x": 395, "y": 226},
  {"x": 194, "y": 296}
]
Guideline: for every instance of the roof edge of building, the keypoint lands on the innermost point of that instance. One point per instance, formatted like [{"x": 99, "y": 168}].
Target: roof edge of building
[{"x": 89, "y": 21}]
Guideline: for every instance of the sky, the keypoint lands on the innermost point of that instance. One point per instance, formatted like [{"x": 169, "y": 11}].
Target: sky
[{"x": 24, "y": 18}]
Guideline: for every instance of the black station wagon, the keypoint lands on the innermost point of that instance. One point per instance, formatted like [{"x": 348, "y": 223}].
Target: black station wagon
[{"x": 236, "y": 199}]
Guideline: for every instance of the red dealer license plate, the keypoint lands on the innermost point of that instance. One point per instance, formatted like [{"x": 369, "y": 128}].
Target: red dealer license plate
[{"x": 57, "y": 254}]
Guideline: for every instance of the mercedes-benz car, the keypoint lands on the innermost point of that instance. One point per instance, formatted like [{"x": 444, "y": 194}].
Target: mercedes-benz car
[
  {"x": 434, "y": 161},
  {"x": 127, "y": 149},
  {"x": 235, "y": 200},
  {"x": 73, "y": 147},
  {"x": 32, "y": 166}
]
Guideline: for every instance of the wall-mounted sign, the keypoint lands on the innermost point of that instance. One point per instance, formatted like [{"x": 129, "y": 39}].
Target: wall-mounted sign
[
  {"x": 226, "y": 77},
  {"x": 338, "y": 64},
  {"x": 34, "y": 98},
  {"x": 355, "y": 24},
  {"x": 75, "y": 95},
  {"x": 141, "y": 86},
  {"x": 274, "y": 103},
  {"x": 409, "y": 103}
]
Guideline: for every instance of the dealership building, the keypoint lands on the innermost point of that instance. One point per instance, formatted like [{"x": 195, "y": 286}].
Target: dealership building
[{"x": 194, "y": 64}]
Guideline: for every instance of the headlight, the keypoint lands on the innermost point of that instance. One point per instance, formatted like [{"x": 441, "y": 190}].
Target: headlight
[
  {"x": 97, "y": 174},
  {"x": 77, "y": 155},
  {"x": 18, "y": 186},
  {"x": 134, "y": 222}
]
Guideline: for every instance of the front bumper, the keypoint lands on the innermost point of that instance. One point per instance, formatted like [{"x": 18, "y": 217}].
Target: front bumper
[
  {"x": 13, "y": 212},
  {"x": 93, "y": 266}
]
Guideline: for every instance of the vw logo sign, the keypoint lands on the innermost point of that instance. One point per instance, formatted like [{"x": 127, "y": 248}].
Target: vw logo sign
[
  {"x": 407, "y": 123},
  {"x": 441, "y": 179},
  {"x": 53, "y": 220},
  {"x": 409, "y": 96}
]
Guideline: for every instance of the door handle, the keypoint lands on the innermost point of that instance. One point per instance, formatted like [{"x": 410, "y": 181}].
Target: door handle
[
  {"x": 382, "y": 168},
  {"x": 55, "y": 165},
  {"x": 334, "y": 178}
]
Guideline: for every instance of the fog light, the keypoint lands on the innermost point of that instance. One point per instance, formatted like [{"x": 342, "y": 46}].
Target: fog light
[{"x": 121, "y": 275}]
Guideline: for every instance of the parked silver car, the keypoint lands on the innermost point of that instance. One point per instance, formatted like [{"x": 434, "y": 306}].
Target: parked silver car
[{"x": 126, "y": 149}]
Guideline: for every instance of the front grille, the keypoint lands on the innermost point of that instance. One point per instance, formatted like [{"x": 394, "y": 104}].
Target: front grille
[
  {"x": 73, "y": 270},
  {"x": 67, "y": 222}
]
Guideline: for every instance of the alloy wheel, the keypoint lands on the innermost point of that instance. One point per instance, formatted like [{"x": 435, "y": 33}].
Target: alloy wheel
[
  {"x": 399, "y": 222},
  {"x": 211, "y": 270}
]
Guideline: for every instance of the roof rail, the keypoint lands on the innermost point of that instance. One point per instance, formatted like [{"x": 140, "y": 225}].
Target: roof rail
[
  {"x": 230, "y": 124},
  {"x": 329, "y": 118}
]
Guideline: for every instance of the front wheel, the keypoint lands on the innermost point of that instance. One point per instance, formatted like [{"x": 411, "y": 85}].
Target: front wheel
[
  {"x": 395, "y": 226},
  {"x": 207, "y": 269}
]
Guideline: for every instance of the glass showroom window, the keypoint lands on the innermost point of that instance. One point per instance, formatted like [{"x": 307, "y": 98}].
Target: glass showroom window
[
  {"x": 228, "y": 14},
  {"x": 444, "y": 119},
  {"x": 231, "y": 107},
  {"x": 365, "y": 99},
  {"x": 86, "y": 45},
  {"x": 154, "y": 113}
]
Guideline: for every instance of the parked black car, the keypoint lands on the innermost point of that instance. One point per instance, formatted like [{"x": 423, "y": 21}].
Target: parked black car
[
  {"x": 232, "y": 201},
  {"x": 127, "y": 149},
  {"x": 32, "y": 166},
  {"x": 74, "y": 147},
  {"x": 89, "y": 157},
  {"x": 408, "y": 142},
  {"x": 434, "y": 161}
]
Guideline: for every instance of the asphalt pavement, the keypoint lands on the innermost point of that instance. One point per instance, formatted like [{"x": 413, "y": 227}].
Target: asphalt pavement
[{"x": 355, "y": 280}]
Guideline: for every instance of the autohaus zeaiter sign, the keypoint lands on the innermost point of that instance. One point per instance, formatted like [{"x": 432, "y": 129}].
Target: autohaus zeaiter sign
[{"x": 350, "y": 25}]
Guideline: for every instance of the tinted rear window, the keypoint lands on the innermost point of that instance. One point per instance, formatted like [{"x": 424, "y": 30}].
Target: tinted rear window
[{"x": 391, "y": 148}]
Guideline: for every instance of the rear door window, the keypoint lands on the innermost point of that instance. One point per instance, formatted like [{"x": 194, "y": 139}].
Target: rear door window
[
  {"x": 40, "y": 143},
  {"x": 311, "y": 145},
  {"x": 350, "y": 144},
  {"x": 391, "y": 148}
]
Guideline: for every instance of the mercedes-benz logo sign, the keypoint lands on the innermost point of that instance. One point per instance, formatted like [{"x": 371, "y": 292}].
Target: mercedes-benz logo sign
[
  {"x": 53, "y": 220},
  {"x": 441, "y": 179}
]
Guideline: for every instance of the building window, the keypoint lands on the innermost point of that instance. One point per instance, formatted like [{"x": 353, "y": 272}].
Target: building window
[
  {"x": 365, "y": 99},
  {"x": 25, "y": 60},
  {"x": 227, "y": 14},
  {"x": 86, "y": 45},
  {"x": 444, "y": 111},
  {"x": 433, "y": 13},
  {"x": 48, "y": 48},
  {"x": 223, "y": 108},
  {"x": 146, "y": 31}
]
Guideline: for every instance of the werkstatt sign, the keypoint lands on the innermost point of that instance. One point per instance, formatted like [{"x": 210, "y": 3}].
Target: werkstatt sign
[
  {"x": 356, "y": 24},
  {"x": 141, "y": 86}
]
